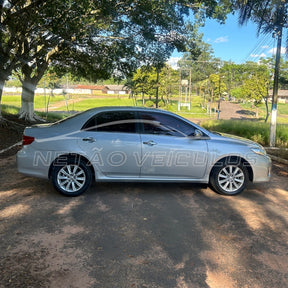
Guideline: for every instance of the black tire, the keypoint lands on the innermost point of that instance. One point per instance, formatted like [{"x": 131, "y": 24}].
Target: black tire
[
  {"x": 229, "y": 178},
  {"x": 72, "y": 177}
]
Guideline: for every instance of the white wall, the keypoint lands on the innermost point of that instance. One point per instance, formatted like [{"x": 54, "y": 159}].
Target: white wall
[{"x": 48, "y": 91}]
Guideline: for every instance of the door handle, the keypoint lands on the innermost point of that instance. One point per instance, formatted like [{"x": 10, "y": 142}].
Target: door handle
[
  {"x": 89, "y": 140},
  {"x": 150, "y": 143}
]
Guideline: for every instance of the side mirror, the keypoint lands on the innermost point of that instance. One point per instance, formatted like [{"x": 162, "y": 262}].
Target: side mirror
[{"x": 197, "y": 134}]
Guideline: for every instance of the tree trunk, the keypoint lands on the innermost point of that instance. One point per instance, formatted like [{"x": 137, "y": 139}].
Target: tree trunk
[
  {"x": 1, "y": 92},
  {"x": 27, "y": 102},
  {"x": 3, "y": 122}
]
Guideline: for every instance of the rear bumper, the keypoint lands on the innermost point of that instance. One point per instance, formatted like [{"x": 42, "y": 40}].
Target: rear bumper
[{"x": 33, "y": 164}]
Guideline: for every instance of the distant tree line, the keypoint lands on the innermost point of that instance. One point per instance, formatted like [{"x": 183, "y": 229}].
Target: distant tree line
[{"x": 211, "y": 78}]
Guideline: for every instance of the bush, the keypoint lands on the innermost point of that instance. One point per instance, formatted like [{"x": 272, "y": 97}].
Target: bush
[
  {"x": 161, "y": 104},
  {"x": 282, "y": 135},
  {"x": 171, "y": 108},
  {"x": 256, "y": 131},
  {"x": 149, "y": 103}
]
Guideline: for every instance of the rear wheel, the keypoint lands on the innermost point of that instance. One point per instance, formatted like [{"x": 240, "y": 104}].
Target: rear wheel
[
  {"x": 229, "y": 179},
  {"x": 71, "y": 178}
]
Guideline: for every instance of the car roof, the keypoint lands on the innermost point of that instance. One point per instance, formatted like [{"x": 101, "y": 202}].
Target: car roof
[
  {"x": 77, "y": 120},
  {"x": 92, "y": 111}
]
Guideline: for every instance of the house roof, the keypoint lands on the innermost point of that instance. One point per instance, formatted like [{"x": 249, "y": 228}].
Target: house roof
[
  {"x": 281, "y": 93},
  {"x": 91, "y": 87}
]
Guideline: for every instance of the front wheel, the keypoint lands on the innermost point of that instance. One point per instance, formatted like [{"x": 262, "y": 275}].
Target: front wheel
[
  {"x": 229, "y": 179},
  {"x": 72, "y": 178}
]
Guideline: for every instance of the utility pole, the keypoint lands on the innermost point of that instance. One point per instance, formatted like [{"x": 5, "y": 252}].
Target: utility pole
[
  {"x": 273, "y": 122},
  {"x": 219, "y": 101}
]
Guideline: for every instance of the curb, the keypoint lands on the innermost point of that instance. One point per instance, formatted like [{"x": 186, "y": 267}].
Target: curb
[{"x": 278, "y": 159}]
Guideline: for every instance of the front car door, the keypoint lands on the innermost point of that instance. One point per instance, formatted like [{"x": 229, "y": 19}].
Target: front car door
[{"x": 169, "y": 149}]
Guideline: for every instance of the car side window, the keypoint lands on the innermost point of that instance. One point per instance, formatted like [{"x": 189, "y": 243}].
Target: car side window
[
  {"x": 162, "y": 124},
  {"x": 112, "y": 121}
]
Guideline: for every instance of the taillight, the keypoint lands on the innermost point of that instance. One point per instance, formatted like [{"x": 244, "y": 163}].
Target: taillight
[{"x": 27, "y": 140}]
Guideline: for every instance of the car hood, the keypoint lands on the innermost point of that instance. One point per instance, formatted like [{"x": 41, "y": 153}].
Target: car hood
[{"x": 235, "y": 139}]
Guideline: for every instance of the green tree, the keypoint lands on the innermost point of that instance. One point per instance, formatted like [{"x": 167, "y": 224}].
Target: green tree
[
  {"x": 15, "y": 20},
  {"x": 141, "y": 82},
  {"x": 283, "y": 73},
  {"x": 256, "y": 87},
  {"x": 218, "y": 85},
  {"x": 237, "y": 93},
  {"x": 94, "y": 39},
  {"x": 270, "y": 16},
  {"x": 147, "y": 79},
  {"x": 202, "y": 64},
  {"x": 234, "y": 74},
  {"x": 283, "y": 77},
  {"x": 168, "y": 84}
]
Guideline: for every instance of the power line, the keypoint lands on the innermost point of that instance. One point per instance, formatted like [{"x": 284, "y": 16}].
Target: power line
[
  {"x": 258, "y": 49},
  {"x": 261, "y": 47}
]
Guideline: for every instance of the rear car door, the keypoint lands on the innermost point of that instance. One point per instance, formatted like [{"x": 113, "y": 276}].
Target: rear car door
[
  {"x": 169, "y": 150},
  {"x": 111, "y": 140}
]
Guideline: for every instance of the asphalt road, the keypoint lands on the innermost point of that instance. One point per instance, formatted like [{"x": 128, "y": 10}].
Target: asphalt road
[{"x": 142, "y": 235}]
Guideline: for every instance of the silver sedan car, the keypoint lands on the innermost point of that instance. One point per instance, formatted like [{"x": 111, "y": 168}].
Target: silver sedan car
[{"x": 138, "y": 144}]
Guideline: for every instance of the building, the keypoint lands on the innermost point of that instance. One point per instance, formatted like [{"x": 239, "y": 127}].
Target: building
[
  {"x": 117, "y": 89},
  {"x": 104, "y": 89},
  {"x": 282, "y": 96},
  {"x": 93, "y": 89}
]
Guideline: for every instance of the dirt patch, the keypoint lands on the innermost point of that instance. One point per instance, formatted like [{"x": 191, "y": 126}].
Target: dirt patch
[
  {"x": 231, "y": 110},
  {"x": 134, "y": 235},
  {"x": 141, "y": 235}
]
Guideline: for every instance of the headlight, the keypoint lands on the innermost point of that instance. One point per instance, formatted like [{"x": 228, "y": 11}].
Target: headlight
[{"x": 258, "y": 150}]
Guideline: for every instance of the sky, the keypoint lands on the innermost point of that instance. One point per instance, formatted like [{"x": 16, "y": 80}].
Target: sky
[{"x": 230, "y": 41}]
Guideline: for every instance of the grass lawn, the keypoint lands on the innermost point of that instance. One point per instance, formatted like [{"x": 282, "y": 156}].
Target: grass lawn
[
  {"x": 255, "y": 130},
  {"x": 282, "y": 111},
  {"x": 39, "y": 103},
  {"x": 74, "y": 105}
]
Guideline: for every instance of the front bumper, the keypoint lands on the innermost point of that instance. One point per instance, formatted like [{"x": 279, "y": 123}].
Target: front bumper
[{"x": 262, "y": 169}]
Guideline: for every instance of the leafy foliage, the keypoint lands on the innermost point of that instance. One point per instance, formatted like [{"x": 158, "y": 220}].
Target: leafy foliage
[
  {"x": 92, "y": 39},
  {"x": 269, "y": 14},
  {"x": 145, "y": 81}
]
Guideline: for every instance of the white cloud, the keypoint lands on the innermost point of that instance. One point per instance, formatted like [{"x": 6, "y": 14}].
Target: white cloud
[
  {"x": 258, "y": 55},
  {"x": 273, "y": 50},
  {"x": 221, "y": 39},
  {"x": 265, "y": 47},
  {"x": 172, "y": 61}
]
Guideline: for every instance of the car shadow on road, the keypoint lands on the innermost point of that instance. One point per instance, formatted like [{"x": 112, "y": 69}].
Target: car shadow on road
[{"x": 144, "y": 235}]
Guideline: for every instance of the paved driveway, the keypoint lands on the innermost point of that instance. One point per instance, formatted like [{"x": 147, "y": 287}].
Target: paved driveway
[{"x": 142, "y": 235}]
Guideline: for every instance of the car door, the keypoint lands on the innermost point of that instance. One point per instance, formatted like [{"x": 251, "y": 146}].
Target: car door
[
  {"x": 169, "y": 150},
  {"x": 111, "y": 141}
]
